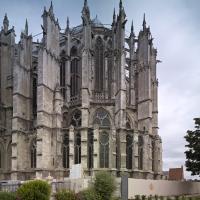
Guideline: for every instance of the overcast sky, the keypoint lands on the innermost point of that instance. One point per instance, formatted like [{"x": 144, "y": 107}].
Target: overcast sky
[{"x": 175, "y": 27}]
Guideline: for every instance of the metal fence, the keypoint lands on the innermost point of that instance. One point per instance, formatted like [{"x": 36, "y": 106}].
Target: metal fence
[{"x": 9, "y": 186}]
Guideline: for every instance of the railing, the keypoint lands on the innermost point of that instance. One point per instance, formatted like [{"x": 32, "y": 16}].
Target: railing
[
  {"x": 9, "y": 186},
  {"x": 101, "y": 97}
]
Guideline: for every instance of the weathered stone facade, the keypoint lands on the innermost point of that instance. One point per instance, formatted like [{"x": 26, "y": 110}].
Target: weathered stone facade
[{"x": 86, "y": 95}]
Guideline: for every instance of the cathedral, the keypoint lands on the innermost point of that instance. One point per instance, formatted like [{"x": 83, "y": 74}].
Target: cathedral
[{"x": 81, "y": 95}]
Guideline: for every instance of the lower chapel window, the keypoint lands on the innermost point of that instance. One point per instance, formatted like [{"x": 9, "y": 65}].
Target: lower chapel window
[
  {"x": 77, "y": 148},
  {"x": 33, "y": 154},
  {"x": 104, "y": 150},
  {"x": 129, "y": 151},
  {"x": 140, "y": 152},
  {"x": 90, "y": 149},
  {"x": 102, "y": 120},
  {"x": 66, "y": 151}
]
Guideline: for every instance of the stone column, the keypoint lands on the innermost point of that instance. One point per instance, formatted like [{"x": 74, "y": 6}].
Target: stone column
[
  {"x": 135, "y": 150},
  {"x": 113, "y": 145},
  {"x": 71, "y": 146},
  {"x": 122, "y": 136},
  {"x": 145, "y": 152},
  {"x": 84, "y": 148},
  {"x": 96, "y": 147}
]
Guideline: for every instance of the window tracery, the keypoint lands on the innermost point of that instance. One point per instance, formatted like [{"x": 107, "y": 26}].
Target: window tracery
[{"x": 102, "y": 118}]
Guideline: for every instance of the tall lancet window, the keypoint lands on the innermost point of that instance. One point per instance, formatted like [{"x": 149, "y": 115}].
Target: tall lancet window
[
  {"x": 99, "y": 65},
  {"x": 33, "y": 151},
  {"x": 34, "y": 89},
  {"x": 75, "y": 73},
  {"x": 140, "y": 152},
  {"x": 62, "y": 74}
]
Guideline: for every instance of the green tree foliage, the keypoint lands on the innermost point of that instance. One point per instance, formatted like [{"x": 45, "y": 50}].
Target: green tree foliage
[
  {"x": 7, "y": 196},
  {"x": 88, "y": 194},
  {"x": 34, "y": 190},
  {"x": 65, "y": 195},
  {"x": 193, "y": 149},
  {"x": 104, "y": 185}
]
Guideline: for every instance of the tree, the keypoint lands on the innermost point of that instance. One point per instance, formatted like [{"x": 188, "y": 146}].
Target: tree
[
  {"x": 104, "y": 185},
  {"x": 193, "y": 149}
]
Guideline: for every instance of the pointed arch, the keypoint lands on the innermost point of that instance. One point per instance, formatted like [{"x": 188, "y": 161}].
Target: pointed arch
[
  {"x": 76, "y": 119},
  {"x": 99, "y": 65},
  {"x": 101, "y": 118}
]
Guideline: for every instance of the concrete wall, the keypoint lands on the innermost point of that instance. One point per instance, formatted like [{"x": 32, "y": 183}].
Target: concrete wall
[{"x": 161, "y": 187}]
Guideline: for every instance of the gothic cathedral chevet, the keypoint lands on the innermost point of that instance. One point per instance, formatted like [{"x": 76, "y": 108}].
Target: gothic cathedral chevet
[{"x": 87, "y": 95}]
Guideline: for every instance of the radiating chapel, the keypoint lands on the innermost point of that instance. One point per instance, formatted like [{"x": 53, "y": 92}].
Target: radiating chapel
[{"x": 85, "y": 95}]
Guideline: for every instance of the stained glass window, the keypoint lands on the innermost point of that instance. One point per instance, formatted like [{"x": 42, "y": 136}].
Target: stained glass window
[
  {"x": 104, "y": 150},
  {"x": 99, "y": 65},
  {"x": 66, "y": 150}
]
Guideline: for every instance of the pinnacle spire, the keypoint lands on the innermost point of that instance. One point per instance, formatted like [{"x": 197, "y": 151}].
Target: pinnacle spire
[
  {"x": 26, "y": 28},
  {"x": 144, "y": 22},
  {"x": 132, "y": 28},
  {"x": 85, "y": 3},
  {"x": 51, "y": 8},
  {"x": 120, "y": 4},
  {"x": 6, "y": 22},
  {"x": 86, "y": 10},
  {"x": 67, "y": 28},
  {"x": 114, "y": 15}
]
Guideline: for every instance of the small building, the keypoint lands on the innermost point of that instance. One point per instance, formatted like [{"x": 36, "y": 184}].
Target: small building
[{"x": 176, "y": 174}]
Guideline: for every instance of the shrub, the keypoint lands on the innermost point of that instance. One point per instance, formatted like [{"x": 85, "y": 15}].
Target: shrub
[
  {"x": 65, "y": 195},
  {"x": 88, "y": 194},
  {"x": 7, "y": 196},
  {"x": 104, "y": 185},
  {"x": 149, "y": 197},
  {"x": 34, "y": 190},
  {"x": 143, "y": 197},
  {"x": 137, "y": 197}
]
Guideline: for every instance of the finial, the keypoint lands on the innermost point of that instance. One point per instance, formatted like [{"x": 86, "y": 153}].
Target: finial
[
  {"x": 114, "y": 15},
  {"x": 67, "y": 28},
  {"x": 86, "y": 10},
  {"x": 26, "y": 28},
  {"x": 144, "y": 22},
  {"x": 51, "y": 8},
  {"x": 120, "y": 4},
  {"x": 132, "y": 30},
  {"x": 6, "y": 22},
  {"x": 132, "y": 27}
]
